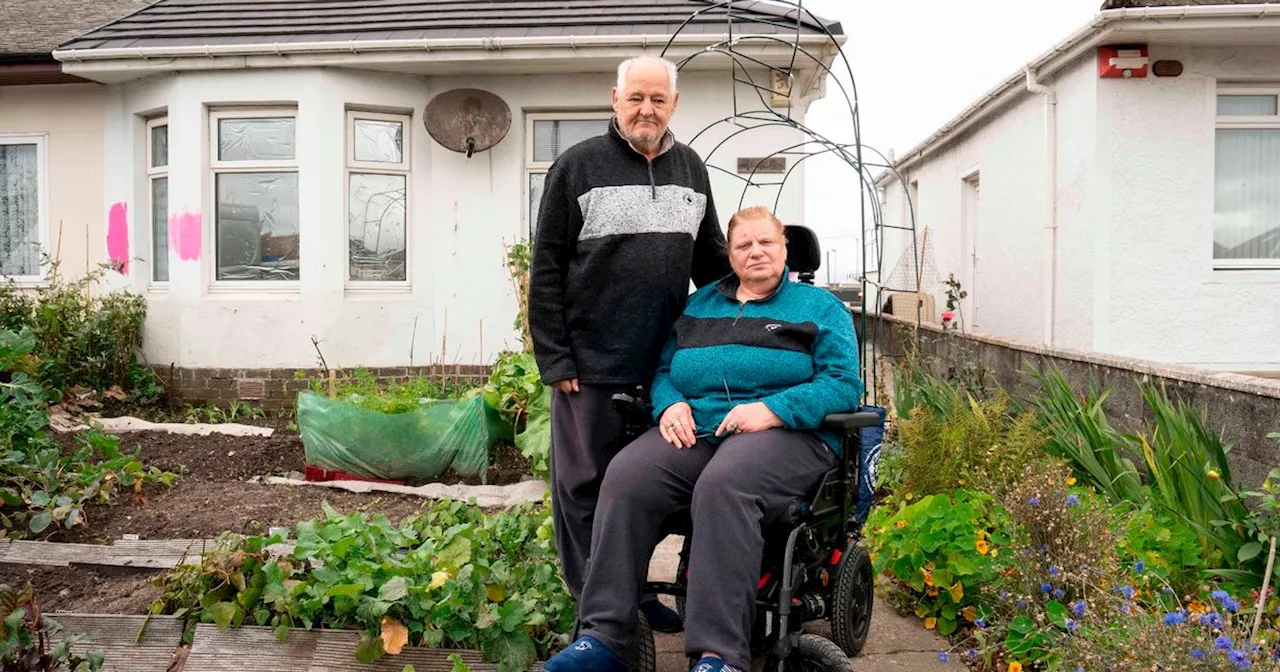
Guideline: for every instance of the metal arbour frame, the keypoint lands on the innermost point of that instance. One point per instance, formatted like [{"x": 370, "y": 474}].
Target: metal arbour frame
[{"x": 789, "y": 15}]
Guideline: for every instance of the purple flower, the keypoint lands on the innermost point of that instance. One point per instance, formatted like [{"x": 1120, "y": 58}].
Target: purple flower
[
  {"x": 1197, "y": 654},
  {"x": 1072, "y": 626},
  {"x": 1125, "y": 608},
  {"x": 1231, "y": 604},
  {"x": 1141, "y": 566},
  {"x": 1222, "y": 642},
  {"x": 1021, "y": 604},
  {"x": 942, "y": 655},
  {"x": 1078, "y": 608},
  {"x": 1059, "y": 593},
  {"x": 1220, "y": 595},
  {"x": 1240, "y": 659},
  {"x": 1127, "y": 591},
  {"x": 971, "y": 653},
  {"x": 980, "y": 623},
  {"x": 1072, "y": 500},
  {"x": 1053, "y": 571},
  {"x": 1034, "y": 501},
  {"x": 1174, "y": 618},
  {"x": 1212, "y": 620}
]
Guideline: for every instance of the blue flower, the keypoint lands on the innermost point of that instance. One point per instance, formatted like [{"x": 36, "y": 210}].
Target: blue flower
[
  {"x": 1240, "y": 659},
  {"x": 1140, "y": 566},
  {"x": 1174, "y": 618},
  {"x": 942, "y": 655},
  {"x": 1053, "y": 571},
  {"x": 1220, "y": 595},
  {"x": 1072, "y": 626},
  {"x": 980, "y": 623},
  {"x": 1231, "y": 604},
  {"x": 1213, "y": 620},
  {"x": 1078, "y": 608},
  {"x": 1127, "y": 591},
  {"x": 1125, "y": 608},
  {"x": 1021, "y": 604},
  {"x": 1044, "y": 587},
  {"x": 1034, "y": 501},
  {"x": 1072, "y": 500},
  {"x": 1222, "y": 642},
  {"x": 1059, "y": 593},
  {"x": 1004, "y": 594},
  {"x": 971, "y": 653},
  {"x": 1198, "y": 654}
]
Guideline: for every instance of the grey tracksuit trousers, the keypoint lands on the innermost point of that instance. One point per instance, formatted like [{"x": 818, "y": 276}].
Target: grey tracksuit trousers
[
  {"x": 730, "y": 490},
  {"x": 584, "y": 427}
]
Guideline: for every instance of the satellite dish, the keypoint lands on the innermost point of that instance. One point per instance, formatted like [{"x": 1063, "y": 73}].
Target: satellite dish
[{"x": 467, "y": 120}]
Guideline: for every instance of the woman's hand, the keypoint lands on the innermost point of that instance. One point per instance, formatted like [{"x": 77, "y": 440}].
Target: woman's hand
[
  {"x": 754, "y": 417},
  {"x": 676, "y": 425}
]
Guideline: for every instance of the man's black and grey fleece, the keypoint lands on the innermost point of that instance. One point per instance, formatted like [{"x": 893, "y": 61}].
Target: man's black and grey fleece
[{"x": 618, "y": 240}]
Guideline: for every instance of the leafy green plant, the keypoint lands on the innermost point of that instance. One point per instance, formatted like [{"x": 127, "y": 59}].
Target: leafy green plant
[
  {"x": 519, "y": 260},
  {"x": 451, "y": 577},
  {"x": 1164, "y": 543},
  {"x": 984, "y": 445},
  {"x": 1080, "y": 433},
  {"x": 515, "y": 389},
  {"x": 27, "y": 642},
  {"x": 365, "y": 390},
  {"x": 40, "y": 485},
  {"x": 83, "y": 337},
  {"x": 939, "y": 552}
]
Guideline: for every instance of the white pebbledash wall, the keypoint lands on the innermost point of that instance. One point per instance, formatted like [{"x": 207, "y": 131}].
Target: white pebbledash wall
[
  {"x": 461, "y": 305},
  {"x": 1135, "y": 174}
]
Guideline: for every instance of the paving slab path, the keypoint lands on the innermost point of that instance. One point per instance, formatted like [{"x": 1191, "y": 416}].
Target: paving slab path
[{"x": 894, "y": 642}]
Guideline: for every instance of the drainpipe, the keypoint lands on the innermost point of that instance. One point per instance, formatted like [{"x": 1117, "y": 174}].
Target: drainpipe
[{"x": 1050, "y": 280}]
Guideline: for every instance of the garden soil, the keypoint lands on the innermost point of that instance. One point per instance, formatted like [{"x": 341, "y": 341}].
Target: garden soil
[{"x": 213, "y": 493}]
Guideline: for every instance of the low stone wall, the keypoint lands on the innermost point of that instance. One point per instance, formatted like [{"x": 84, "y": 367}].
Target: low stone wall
[
  {"x": 276, "y": 389},
  {"x": 1243, "y": 408}
]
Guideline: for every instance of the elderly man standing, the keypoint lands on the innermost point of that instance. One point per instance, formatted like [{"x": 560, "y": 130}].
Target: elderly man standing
[{"x": 626, "y": 222}]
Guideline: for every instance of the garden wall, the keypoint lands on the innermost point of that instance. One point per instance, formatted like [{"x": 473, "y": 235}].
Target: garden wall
[
  {"x": 1244, "y": 408},
  {"x": 276, "y": 389}
]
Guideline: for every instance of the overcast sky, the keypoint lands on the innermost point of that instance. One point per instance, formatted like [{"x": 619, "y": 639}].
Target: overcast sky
[{"x": 918, "y": 63}]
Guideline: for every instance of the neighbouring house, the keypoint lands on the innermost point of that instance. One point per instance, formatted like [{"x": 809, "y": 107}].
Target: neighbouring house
[
  {"x": 1120, "y": 194},
  {"x": 52, "y": 135},
  {"x": 264, "y": 172}
]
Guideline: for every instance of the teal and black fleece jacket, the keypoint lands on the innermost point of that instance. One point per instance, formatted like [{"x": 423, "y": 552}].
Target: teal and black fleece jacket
[{"x": 795, "y": 350}]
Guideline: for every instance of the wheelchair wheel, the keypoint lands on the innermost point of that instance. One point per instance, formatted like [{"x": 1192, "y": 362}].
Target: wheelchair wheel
[
  {"x": 683, "y": 582},
  {"x": 853, "y": 596},
  {"x": 813, "y": 653},
  {"x": 645, "y": 657}
]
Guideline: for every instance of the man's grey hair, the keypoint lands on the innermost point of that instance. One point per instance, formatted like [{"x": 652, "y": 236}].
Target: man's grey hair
[{"x": 672, "y": 71}]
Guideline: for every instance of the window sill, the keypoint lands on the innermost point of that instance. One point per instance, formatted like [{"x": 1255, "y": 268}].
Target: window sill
[
  {"x": 255, "y": 290},
  {"x": 378, "y": 290}
]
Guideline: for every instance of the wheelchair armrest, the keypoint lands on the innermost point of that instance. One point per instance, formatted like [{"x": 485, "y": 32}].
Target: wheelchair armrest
[
  {"x": 634, "y": 408},
  {"x": 848, "y": 423}
]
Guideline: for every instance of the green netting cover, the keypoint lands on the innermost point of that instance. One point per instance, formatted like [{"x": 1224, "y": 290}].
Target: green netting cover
[{"x": 424, "y": 443}]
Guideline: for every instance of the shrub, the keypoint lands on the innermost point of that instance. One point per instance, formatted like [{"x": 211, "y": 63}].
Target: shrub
[
  {"x": 939, "y": 552},
  {"x": 516, "y": 389},
  {"x": 82, "y": 338},
  {"x": 982, "y": 445}
]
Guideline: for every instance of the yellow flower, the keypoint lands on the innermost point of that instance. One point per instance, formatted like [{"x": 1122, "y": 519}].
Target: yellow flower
[
  {"x": 969, "y": 613},
  {"x": 1015, "y": 666},
  {"x": 932, "y": 592},
  {"x": 1071, "y": 480},
  {"x": 982, "y": 546},
  {"x": 1214, "y": 475},
  {"x": 957, "y": 592},
  {"x": 928, "y": 579},
  {"x": 930, "y": 623},
  {"x": 901, "y": 524},
  {"x": 438, "y": 579}
]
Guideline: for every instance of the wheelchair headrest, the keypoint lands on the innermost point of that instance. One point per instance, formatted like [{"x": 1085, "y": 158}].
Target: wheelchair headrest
[{"x": 804, "y": 254}]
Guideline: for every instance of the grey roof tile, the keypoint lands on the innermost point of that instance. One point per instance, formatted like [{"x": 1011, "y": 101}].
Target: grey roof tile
[
  {"x": 201, "y": 22},
  {"x": 37, "y": 26}
]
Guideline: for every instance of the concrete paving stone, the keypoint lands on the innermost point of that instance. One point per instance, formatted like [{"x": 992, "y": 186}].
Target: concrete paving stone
[{"x": 912, "y": 661}]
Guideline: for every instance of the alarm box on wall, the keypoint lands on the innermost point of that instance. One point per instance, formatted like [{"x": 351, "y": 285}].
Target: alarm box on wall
[{"x": 1123, "y": 62}]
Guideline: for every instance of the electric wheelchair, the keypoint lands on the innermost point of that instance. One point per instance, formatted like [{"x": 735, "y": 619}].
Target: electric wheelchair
[{"x": 814, "y": 565}]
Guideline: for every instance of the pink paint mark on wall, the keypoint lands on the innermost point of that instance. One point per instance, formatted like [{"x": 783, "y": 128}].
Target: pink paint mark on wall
[
  {"x": 118, "y": 237},
  {"x": 184, "y": 235}
]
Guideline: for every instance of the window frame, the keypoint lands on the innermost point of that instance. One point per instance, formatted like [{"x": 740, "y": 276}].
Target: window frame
[
  {"x": 154, "y": 173},
  {"x": 215, "y": 167},
  {"x": 532, "y": 167},
  {"x": 41, "y": 141},
  {"x": 404, "y": 169},
  {"x": 1236, "y": 122}
]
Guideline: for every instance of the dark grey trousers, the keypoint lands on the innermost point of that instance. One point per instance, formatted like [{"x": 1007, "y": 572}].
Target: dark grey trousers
[
  {"x": 584, "y": 429},
  {"x": 729, "y": 490}
]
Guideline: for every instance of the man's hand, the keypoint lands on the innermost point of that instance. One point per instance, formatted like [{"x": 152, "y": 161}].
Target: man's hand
[
  {"x": 754, "y": 417},
  {"x": 568, "y": 386},
  {"x": 676, "y": 425}
]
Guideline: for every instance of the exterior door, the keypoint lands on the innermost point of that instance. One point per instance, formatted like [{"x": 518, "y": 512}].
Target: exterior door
[{"x": 971, "y": 195}]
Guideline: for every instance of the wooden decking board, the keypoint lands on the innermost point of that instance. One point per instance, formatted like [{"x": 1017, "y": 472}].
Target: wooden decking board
[
  {"x": 142, "y": 554},
  {"x": 117, "y": 637},
  {"x": 250, "y": 649},
  {"x": 336, "y": 652}
]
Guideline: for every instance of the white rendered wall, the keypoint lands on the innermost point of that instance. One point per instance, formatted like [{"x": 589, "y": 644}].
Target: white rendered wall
[{"x": 461, "y": 213}]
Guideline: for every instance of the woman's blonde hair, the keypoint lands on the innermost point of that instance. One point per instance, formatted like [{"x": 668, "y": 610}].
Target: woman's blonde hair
[{"x": 753, "y": 212}]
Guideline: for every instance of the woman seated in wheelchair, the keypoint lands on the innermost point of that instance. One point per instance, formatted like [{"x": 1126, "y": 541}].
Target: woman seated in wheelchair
[{"x": 752, "y": 367}]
